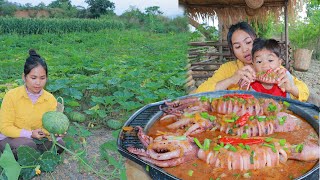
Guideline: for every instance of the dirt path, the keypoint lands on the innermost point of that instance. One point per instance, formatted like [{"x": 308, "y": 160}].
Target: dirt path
[
  {"x": 69, "y": 169},
  {"x": 312, "y": 79}
]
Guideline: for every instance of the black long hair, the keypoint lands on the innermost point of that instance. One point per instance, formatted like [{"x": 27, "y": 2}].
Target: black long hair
[
  {"x": 244, "y": 26},
  {"x": 33, "y": 61}
]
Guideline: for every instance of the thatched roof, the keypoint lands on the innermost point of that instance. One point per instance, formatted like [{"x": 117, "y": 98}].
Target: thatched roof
[{"x": 232, "y": 11}]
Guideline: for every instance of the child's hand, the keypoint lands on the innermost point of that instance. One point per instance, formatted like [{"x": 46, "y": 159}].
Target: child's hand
[{"x": 283, "y": 80}]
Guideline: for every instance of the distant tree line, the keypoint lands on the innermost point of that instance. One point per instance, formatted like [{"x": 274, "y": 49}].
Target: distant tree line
[
  {"x": 62, "y": 8},
  {"x": 151, "y": 19}
]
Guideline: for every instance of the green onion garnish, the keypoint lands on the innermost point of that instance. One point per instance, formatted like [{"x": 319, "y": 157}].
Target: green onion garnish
[
  {"x": 282, "y": 142},
  {"x": 204, "y": 98},
  {"x": 282, "y": 120},
  {"x": 232, "y": 148},
  {"x": 241, "y": 145},
  {"x": 286, "y": 103},
  {"x": 198, "y": 143},
  {"x": 270, "y": 146},
  {"x": 206, "y": 144},
  {"x": 251, "y": 118},
  {"x": 229, "y": 120},
  {"x": 190, "y": 172},
  {"x": 261, "y": 118},
  {"x": 212, "y": 118},
  {"x": 227, "y": 146},
  {"x": 268, "y": 139},
  {"x": 244, "y": 135},
  {"x": 251, "y": 157},
  {"x": 272, "y": 108},
  {"x": 299, "y": 148},
  {"x": 216, "y": 148},
  {"x": 235, "y": 117},
  {"x": 204, "y": 115},
  {"x": 189, "y": 115}
]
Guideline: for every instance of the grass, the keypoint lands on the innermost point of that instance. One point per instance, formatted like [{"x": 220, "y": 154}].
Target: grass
[{"x": 106, "y": 75}]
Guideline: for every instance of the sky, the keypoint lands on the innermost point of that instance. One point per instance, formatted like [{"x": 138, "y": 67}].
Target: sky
[{"x": 170, "y": 8}]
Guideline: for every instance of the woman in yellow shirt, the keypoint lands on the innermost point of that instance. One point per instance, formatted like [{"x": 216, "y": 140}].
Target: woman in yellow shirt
[
  {"x": 22, "y": 108},
  {"x": 240, "y": 40}
]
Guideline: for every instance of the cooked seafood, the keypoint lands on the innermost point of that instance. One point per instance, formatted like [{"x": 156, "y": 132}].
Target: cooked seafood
[
  {"x": 269, "y": 76},
  {"x": 165, "y": 150},
  {"x": 257, "y": 153},
  {"x": 256, "y": 125},
  {"x": 189, "y": 105},
  {"x": 245, "y": 103},
  {"x": 248, "y": 120},
  {"x": 194, "y": 123}
]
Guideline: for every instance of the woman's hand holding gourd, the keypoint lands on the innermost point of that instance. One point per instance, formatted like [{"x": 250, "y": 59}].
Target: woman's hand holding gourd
[{"x": 38, "y": 134}]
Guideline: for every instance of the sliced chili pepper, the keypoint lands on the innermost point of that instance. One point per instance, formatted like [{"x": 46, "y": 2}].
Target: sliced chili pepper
[
  {"x": 243, "y": 96},
  {"x": 243, "y": 119},
  {"x": 236, "y": 141}
]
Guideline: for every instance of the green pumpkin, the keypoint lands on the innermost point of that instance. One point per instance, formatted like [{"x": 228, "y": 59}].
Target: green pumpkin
[
  {"x": 77, "y": 116},
  {"x": 114, "y": 124},
  {"x": 55, "y": 122}
]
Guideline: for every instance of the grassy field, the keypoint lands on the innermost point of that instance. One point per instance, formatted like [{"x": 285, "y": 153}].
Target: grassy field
[
  {"x": 119, "y": 71},
  {"x": 105, "y": 75}
]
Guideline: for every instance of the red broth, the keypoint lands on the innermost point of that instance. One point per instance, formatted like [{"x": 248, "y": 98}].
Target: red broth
[{"x": 291, "y": 169}]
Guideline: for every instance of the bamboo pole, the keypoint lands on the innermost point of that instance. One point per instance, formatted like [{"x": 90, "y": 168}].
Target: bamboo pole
[{"x": 286, "y": 33}]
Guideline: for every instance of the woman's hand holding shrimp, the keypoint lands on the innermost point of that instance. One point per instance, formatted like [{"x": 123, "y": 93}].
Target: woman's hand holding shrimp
[
  {"x": 244, "y": 77},
  {"x": 246, "y": 74}
]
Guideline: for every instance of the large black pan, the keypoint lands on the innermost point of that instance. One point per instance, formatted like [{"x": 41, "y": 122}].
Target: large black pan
[{"x": 147, "y": 115}]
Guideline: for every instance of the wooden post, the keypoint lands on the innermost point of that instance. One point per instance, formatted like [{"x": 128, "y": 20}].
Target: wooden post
[
  {"x": 220, "y": 40},
  {"x": 286, "y": 34}
]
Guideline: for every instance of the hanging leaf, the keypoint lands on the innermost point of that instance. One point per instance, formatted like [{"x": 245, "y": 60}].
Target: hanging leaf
[{"x": 9, "y": 164}]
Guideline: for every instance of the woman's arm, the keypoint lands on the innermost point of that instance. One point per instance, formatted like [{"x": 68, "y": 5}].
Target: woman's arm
[
  {"x": 227, "y": 77},
  {"x": 246, "y": 73},
  {"x": 225, "y": 71},
  {"x": 303, "y": 90},
  {"x": 7, "y": 118}
]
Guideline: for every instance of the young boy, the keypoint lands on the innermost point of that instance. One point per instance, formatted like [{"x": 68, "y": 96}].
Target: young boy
[{"x": 271, "y": 77}]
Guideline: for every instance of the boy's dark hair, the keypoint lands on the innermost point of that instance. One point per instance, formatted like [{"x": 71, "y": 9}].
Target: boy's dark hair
[
  {"x": 269, "y": 44},
  {"x": 244, "y": 26},
  {"x": 33, "y": 61}
]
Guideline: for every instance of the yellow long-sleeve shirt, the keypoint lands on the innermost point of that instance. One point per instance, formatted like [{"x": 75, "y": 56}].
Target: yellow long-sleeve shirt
[
  {"x": 228, "y": 69},
  {"x": 18, "y": 113}
]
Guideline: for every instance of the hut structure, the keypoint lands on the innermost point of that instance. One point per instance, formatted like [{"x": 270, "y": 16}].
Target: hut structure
[{"x": 229, "y": 12}]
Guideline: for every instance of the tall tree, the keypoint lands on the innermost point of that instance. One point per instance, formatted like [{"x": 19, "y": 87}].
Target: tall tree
[
  {"x": 153, "y": 10},
  {"x": 60, "y": 4},
  {"x": 100, "y": 7}
]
